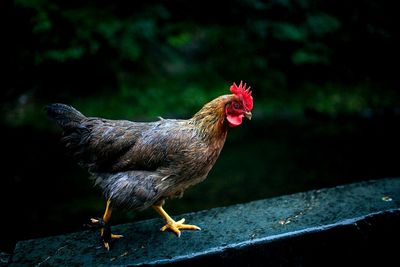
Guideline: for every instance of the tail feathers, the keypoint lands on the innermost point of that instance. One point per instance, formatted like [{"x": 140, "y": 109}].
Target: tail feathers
[{"x": 66, "y": 116}]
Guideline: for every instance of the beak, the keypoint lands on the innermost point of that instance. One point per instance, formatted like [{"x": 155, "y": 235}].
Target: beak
[{"x": 248, "y": 115}]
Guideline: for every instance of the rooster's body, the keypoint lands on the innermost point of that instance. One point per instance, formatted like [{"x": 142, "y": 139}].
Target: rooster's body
[{"x": 139, "y": 164}]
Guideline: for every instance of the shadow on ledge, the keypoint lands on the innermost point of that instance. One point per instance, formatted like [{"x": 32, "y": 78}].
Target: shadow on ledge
[{"x": 350, "y": 224}]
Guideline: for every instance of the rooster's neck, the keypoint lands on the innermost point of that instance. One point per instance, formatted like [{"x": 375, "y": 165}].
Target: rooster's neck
[{"x": 211, "y": 118}]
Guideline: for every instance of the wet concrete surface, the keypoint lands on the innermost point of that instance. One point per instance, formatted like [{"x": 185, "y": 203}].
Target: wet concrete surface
[{"x": 313, "y": 228}]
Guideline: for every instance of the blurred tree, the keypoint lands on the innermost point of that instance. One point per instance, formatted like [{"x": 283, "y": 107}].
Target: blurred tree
[{"x": 109, "y": 53}]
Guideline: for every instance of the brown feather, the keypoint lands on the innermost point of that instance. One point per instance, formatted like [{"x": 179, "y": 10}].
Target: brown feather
[{"x": 139, "y": 164}]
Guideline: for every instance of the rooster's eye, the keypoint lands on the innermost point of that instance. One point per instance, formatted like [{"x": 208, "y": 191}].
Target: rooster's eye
[{"x": 236, "y": 105}]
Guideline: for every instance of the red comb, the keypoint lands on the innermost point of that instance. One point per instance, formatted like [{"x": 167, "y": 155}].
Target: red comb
[{"x": 244, "y": 94}]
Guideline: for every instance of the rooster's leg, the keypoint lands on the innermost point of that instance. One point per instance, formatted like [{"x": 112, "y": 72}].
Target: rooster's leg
[
  {"x": 105, "y": 230},
  {"x": 173, "y": 225}
]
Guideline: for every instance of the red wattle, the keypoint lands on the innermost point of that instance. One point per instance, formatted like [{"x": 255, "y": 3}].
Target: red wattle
[{"x": 234, "y": 120}]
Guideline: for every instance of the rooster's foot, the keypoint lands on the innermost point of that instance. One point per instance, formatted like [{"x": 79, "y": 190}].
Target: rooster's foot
[
  {"x": 175, "y": 227},
  {"x": 105, "y": 232}
]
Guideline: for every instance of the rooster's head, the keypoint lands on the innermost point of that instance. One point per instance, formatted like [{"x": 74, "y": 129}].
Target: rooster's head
[{"x": 240, "y": 106}]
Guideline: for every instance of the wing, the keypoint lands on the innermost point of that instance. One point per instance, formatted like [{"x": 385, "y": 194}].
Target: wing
[
  {"x": 99, "y": 144},
  {"x": 118, "y": 145}
]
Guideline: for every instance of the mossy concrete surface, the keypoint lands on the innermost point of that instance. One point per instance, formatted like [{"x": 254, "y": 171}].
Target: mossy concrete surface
[{"x": 294, "y": 229}]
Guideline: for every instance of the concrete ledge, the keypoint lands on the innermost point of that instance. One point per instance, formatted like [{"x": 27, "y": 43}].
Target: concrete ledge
[{"x": 320, "y": 228}]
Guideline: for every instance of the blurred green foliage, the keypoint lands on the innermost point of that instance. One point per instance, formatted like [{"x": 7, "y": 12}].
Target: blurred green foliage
[{"x": 145, "y": 59}]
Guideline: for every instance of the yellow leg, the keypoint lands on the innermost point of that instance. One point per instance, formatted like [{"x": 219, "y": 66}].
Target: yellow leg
[
  {"x": 107, "y": 212},
  {"x": 173, "y": 225},
  {"x": 105, "y": 230}
]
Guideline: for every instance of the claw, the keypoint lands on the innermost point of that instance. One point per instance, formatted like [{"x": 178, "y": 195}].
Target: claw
[
  {"x": 106, "y": 240},
  {"x": 175, "y": 227},
  {"x": 105, "y": 229},
  {"x": 172, "y": 225},
  {"x": 105, "y": 232},
  {"x": 98, "y": 222},
  {"x": 116, "y": 236}
]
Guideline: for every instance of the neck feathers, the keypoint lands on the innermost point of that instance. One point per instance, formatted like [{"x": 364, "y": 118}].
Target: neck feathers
[{"x": 211, "y": 118}]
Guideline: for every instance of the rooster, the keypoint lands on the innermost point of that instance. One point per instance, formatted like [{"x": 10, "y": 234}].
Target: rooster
[{"x": 141, "y": 164}]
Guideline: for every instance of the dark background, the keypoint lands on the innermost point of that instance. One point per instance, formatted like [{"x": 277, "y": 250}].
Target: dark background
[{"x": 324, "y": 76}]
